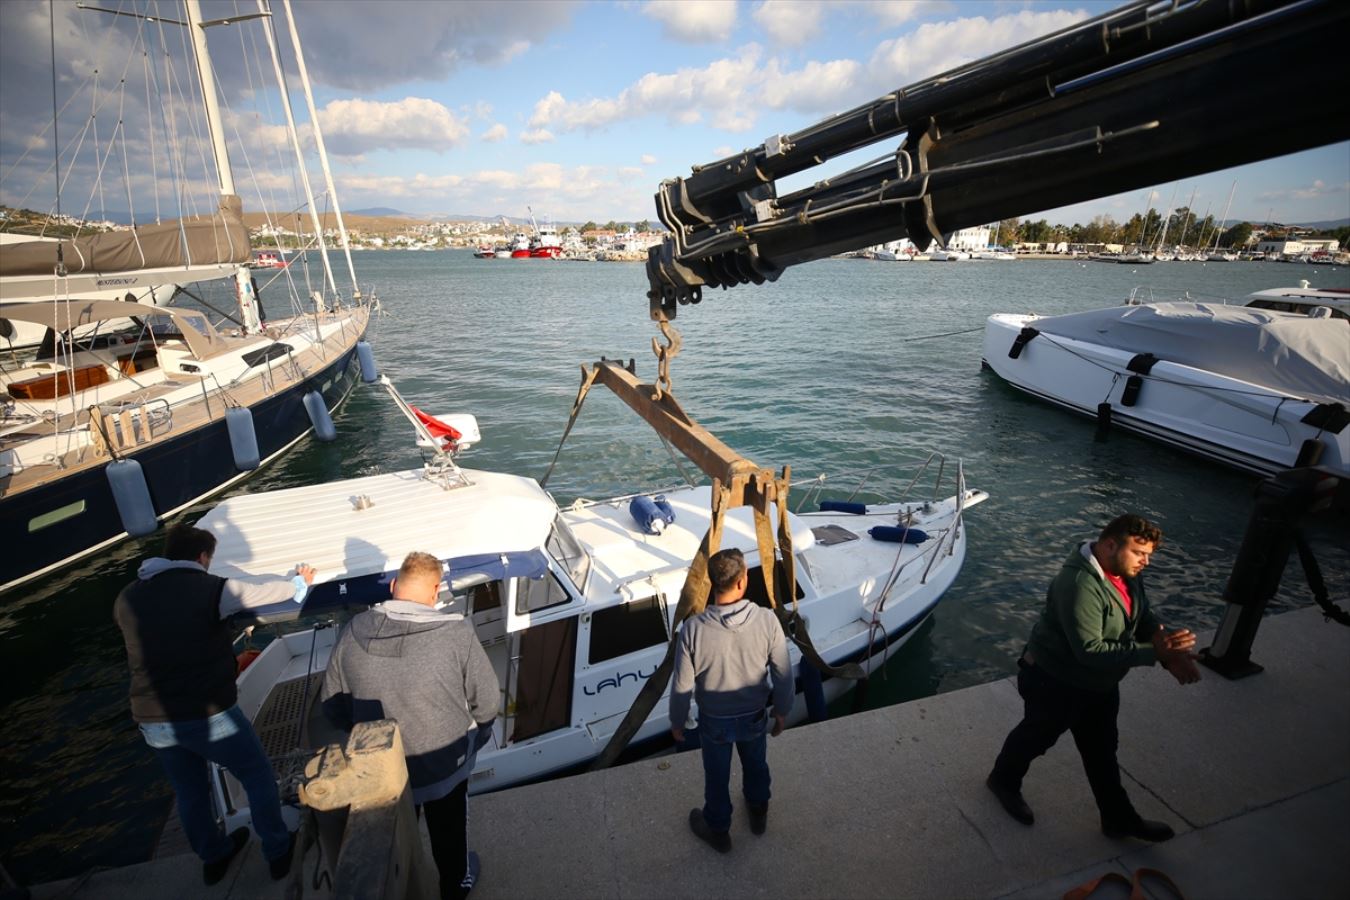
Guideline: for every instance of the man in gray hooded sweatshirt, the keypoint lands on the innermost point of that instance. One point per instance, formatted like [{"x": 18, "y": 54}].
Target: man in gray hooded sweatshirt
[
  {"x": 721, "y": 660},
  {"x": 406, "y": 660}
]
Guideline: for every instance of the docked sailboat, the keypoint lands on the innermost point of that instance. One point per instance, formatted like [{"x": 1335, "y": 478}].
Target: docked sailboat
[
  {"x": 1255, "y": 387},
  {"x": 575, "y": 606},
  {"x": 128, "y": 413}
]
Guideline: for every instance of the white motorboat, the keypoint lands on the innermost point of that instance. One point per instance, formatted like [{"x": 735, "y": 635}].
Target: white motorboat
[
  {"x": 574, "y": 606},
  {"x": 1259, "y": 389},
  {"x": 940, "y": 255}
]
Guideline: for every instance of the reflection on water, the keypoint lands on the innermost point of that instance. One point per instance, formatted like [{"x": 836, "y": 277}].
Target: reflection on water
[{"x": 824, "y": 370}]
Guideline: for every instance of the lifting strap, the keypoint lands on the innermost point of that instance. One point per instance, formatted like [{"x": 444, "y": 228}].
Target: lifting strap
[{"x": 587, "y": 379}]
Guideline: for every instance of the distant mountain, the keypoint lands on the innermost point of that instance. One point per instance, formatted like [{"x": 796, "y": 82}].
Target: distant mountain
[
  {"x": 382, "y": 211},
  {"x": 1327, "y": 225}
]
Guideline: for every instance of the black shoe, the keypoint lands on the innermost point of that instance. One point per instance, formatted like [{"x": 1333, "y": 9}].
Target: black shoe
[
  {"x": 280, "y": 866},
  {"x": 1012, "y": 801},
  {"x": 212, "y": 872},
  {"x": 718, "y": 840},
  {"x": 759, "y": 818},
  {"x": 1143, "y": 829}
]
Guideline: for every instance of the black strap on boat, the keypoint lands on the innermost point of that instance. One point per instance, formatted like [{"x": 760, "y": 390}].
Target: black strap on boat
[
  {"x": 1130, "y": 395},
  {"x": 1142, "y": 363},
  {"x": 1331, "y": 417},
  {"x": 1313, "y": 572},
  {"x": 1023, "y": 338}
]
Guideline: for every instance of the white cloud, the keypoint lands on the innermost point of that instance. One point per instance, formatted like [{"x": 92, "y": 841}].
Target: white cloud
[
  {"x": 648, "y": 159},
  {"x": 356, "y": 126},
  {"x": 1317, "y": 189},
  {"x": 494, "y": 134},
  {"x": 937, "y": 47},
  {"x": 723, "y": 151},
  {"x": 536, "y": 136},
  {"x": 890, "y": 13},
  {"x": 790, "y": 22},
  {"x": 694, "y": 21},
  {"x": 632, "y": 171},
  {"x": 816, "y": 87}
]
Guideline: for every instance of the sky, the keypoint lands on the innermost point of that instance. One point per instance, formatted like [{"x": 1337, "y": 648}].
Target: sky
[{"x": 576, "y": 110}]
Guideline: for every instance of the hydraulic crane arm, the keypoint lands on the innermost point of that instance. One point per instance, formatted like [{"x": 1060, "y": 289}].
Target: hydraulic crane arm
[{"x": 1148, "y": 92}]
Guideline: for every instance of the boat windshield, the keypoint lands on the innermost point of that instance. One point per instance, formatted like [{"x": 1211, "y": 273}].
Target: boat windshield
[{"x": 567, "y": 551}]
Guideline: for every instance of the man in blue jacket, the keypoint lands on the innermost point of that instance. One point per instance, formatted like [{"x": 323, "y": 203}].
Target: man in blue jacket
[
  {"x": 1095, "y": 626},
  {"x": 406, "y": 660},
  {"x": 721, "y": 661}
]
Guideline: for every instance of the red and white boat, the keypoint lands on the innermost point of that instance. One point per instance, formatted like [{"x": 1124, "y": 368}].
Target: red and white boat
[
  {"x": 546, "y": 244},
  {"x": 520, "y": 246},
  {"x": 268, "y": 259}
]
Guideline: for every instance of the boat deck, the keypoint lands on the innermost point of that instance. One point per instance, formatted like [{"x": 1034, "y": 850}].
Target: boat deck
[{"x": 140, "y": 425}]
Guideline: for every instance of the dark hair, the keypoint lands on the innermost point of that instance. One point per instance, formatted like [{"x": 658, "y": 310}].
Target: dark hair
[
  {"x": 1121, "y": 528},
  {"x": 725, "y": 569},
  {"x": 185, "y": 542}
]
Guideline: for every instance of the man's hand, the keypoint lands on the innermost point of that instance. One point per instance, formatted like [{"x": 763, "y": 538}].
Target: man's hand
[
  {"x": 778, "y": 723},
  {"x": 677, "y": 734},
  {"x": 306, "y": 572},
  {"x": 1184, "y": 670},
  {"x": 1182, "y": 639}
]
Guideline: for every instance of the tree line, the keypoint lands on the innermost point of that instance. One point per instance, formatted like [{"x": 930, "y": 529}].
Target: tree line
[{"x": 1182, "y": 227}]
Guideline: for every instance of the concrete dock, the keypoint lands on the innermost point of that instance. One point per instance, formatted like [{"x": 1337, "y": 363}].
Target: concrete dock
[{"x": 1253, "y": 774}]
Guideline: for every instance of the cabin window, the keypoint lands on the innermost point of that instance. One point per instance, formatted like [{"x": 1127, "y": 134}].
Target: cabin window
[
  {"x": 534, "y": 594},
  {"x": 756, "y": 593},
  {"x": 569, "y": 554},
  {"x": 627, "y": 628}
]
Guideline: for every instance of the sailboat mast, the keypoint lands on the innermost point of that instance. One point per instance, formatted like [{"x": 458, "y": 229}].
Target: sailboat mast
[
  {"x": 207, "y": 77},
  {"x": 323, "y": 151},
  {"x": 270, "y": 34},
  {"x": 1226, "y": 207}
]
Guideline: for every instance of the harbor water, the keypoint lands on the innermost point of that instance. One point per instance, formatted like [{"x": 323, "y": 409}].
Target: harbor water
[{"x": 844, "y": 366}]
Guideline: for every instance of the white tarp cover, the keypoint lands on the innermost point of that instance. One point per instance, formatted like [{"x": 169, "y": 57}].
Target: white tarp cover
[{"x": 1287, "y": 352}]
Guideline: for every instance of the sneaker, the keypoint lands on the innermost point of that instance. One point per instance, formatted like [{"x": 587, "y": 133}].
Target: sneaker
[
  {"x": 280, "y": 866},
  {"x": 1143, "y": 829},
  {"x": 212, "y": 872},
  {"x": 759, "y": 818},
  {"x": 1012, "y": 801},
  {"x": 471, "y": 872},
  {"x": 718, "y": 840}
]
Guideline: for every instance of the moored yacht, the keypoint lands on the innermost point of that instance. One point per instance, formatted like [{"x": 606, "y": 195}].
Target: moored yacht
[{"x": 1256, "y": 387}]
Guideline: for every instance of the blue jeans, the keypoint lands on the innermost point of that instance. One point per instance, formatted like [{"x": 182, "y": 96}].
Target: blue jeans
[
  {"x": 716, "y": 737},
  {"x": 226, "y": 739}
]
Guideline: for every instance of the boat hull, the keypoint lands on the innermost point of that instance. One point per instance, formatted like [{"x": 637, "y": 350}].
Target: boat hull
[
  {"x": 1234, "y": 422},
  {"x": 179, "y": 471}
]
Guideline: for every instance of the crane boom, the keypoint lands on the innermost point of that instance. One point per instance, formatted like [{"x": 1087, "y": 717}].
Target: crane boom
[{"x": 1146, "y": 92}]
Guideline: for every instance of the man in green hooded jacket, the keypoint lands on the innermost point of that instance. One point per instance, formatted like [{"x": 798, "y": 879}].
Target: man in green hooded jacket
[{"x": 1095, "y": 626}]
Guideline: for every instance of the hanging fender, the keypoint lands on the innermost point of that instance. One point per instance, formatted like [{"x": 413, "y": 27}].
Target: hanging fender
[
  {"x": 132, "y": 496},
  {"x": 1023, "y": 338},
  {"x": 369, "y": 373},
  {"x": 243, "y": 438},
  {"x": 319, "y": 417}
]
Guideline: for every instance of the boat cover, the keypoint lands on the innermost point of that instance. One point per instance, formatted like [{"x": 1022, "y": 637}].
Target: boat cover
[
  {"x": 195, "y": 241},
  {"x": 1286, "y": 352}
]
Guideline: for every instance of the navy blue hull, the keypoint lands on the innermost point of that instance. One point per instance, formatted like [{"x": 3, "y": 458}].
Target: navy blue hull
[{"x": 178, "y": 472}]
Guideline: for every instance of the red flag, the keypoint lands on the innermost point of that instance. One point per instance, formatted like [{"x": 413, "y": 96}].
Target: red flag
[{"x": 435, "y": 426}]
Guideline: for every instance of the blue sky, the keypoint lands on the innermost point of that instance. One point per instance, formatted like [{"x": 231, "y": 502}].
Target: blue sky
[{"x": 576, "y": 109}]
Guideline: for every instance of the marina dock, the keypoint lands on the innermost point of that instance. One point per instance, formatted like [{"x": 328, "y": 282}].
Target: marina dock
[{"x": 1253, "y": 774}]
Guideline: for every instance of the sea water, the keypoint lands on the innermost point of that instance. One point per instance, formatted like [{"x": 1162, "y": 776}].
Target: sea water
[{"x": 841, "y": 366}]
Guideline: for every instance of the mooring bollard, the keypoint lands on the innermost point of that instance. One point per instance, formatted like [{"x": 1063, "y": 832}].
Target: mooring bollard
[{"x": 367, "y": 828}]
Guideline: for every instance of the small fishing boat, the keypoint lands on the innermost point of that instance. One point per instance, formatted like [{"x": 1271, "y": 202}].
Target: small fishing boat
[
  {"x": 573, "y": 605},
  {"x": 1256, "y": 387}
]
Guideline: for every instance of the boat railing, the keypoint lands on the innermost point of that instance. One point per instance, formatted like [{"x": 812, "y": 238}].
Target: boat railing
[{"x": 864, "y": 476}]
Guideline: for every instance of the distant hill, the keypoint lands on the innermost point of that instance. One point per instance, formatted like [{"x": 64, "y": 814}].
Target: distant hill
[
  {"x": 1327, "y": 225},
  {"x": 382, "y": 211}
]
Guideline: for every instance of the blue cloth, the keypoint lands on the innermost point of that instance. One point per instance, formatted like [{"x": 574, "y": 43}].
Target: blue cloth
[
  {"x": 227, "y": 739},
  {"x": 716, "y": 737}
]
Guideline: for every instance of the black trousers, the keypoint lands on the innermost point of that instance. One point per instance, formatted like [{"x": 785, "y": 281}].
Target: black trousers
[
  {"x": 448, "y": 826},
  {"x": 1053, "y": 707}
]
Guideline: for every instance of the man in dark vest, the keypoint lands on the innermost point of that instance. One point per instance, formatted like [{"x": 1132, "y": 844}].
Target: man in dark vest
[
  {"x": 1095, "y": 626},
  {"x": 179, "y": 624}
]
